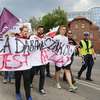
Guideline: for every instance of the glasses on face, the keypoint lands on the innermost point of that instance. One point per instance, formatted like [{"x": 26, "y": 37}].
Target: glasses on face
[
  {"x": 69, "y": 33},
  {"x": 86, "y": 35}
]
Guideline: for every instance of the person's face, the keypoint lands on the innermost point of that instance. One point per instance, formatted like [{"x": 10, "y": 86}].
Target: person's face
[
  {"x": 24, "y": 32},
  {"x": 62, "y": 30},
  {"x": 69, "y": 34},
  {"x": 86, "y": 36},
  {"x": 40, "y": 31}
]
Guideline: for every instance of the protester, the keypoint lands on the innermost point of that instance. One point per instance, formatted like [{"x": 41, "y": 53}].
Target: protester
[
  {"x": 62, "y": 38},
  {"x": 39, "y": 66},
  {"x": 72, "y": 42},
  {"x": 86, "y": 52},
  {"x": 25, "y": 73},
  {"x": 8, "y": 76}
]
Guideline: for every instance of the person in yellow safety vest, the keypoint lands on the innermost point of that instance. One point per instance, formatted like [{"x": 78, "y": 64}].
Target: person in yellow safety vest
[{"x": 86, "y": 52}]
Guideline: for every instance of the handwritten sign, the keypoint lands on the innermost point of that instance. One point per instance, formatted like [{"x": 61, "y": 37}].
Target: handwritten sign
[{"x": 22, "y": 54}]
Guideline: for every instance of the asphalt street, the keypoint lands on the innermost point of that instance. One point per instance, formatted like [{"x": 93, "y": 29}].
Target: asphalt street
[{"x": 86, "y": 90}]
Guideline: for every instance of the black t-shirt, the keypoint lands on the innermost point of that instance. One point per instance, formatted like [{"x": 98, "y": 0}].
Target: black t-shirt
[{"x": 72, "y": 41}]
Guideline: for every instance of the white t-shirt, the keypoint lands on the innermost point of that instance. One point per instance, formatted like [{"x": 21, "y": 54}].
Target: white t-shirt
[{"x": 61, "y": 38}]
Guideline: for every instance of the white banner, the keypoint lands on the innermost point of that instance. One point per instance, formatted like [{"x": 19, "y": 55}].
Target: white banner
[{"x": 22, "y": 54}]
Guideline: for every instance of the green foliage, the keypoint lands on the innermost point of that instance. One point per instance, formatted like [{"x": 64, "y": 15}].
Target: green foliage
[
  {"x": 50, "y": 20},
  {"x": 55, "y": 18}
]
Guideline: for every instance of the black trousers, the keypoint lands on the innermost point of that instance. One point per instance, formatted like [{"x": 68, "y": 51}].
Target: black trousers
[
  {"x": 41, "y": 69},
  {"x": 26, "y": 79},
  {"x": 88, "y": 63},
  {"x": 48, "y": 69}
]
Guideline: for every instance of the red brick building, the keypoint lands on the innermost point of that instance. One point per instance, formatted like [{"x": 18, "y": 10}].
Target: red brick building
[{"x": 80, "y": 25}]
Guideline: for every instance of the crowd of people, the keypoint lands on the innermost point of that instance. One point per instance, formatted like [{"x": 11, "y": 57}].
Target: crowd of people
[{"x": 84, "y": 49}]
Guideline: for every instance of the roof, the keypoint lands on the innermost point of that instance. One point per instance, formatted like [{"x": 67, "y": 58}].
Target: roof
[{"x": 80, "y": 18}]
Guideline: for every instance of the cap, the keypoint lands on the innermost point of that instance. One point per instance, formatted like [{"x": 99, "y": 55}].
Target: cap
[{"x": 86, "y": 33}]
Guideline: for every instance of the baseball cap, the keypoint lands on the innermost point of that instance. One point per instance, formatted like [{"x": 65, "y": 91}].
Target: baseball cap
[{"x": 86, "y": 33}]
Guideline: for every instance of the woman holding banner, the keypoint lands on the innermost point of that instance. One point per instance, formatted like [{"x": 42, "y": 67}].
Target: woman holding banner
[
  {"x": 25, "y": 73},
  {"x": 61, "y": 63}
]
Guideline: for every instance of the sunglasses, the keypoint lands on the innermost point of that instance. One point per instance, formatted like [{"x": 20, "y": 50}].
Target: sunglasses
[
  {"x": 86, "y": 35},
  {"x": 69, "y": 33}
]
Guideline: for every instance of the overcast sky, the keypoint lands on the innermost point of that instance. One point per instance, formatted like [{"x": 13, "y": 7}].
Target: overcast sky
[{"x": 25, "y": 9}]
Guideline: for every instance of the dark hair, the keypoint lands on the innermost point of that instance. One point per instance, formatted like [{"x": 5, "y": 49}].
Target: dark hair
[
  {"x": 24, "y": 26},
  {"x": 58, "y": 31},
  {"x": 40, "y": 26}
]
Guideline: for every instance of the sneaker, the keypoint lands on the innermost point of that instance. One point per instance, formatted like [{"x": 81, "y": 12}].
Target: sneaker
[
  {"x": 30, "y": 98},
  {"x": 18, "y": 96},
  {"x": 58, "y": 86},
  {"x": 42, "y": 91},
  {"x": 4, "y": 81},
  {"x": 73, "y": 89}
]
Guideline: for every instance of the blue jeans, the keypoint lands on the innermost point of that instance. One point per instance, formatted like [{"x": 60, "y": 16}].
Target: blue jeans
[{"x": 8, "y": 75}]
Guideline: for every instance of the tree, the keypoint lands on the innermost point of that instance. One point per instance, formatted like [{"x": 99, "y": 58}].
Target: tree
[
  {"x": 55, "y": 18},
  {"x": 34, "y": 22}
]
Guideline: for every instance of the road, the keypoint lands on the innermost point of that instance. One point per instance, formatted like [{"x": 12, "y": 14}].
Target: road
[{"x": 86, "y": 91}]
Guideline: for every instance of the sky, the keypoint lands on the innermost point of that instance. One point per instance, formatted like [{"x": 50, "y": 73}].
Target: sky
[{"x": 25, "y": 9}]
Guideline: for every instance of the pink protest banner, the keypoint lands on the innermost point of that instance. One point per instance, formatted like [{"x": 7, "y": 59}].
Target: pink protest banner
[{"x": 22, "y": 54}]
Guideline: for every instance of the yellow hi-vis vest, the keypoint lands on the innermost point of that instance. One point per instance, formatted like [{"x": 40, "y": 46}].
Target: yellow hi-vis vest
[{"x": 84, "y": 50}]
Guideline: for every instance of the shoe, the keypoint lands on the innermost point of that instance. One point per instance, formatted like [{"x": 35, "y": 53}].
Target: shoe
[
  {"x": 73, "y": 89},
  {"x": 42, "y": 91},
  {"x": 4, "y": 81},
  {"x": 88, "y": 79},
  {"x": 18, "y": 96},
  {"x": 58, "y": 86},
  {"x": 30, "y": 98}
]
